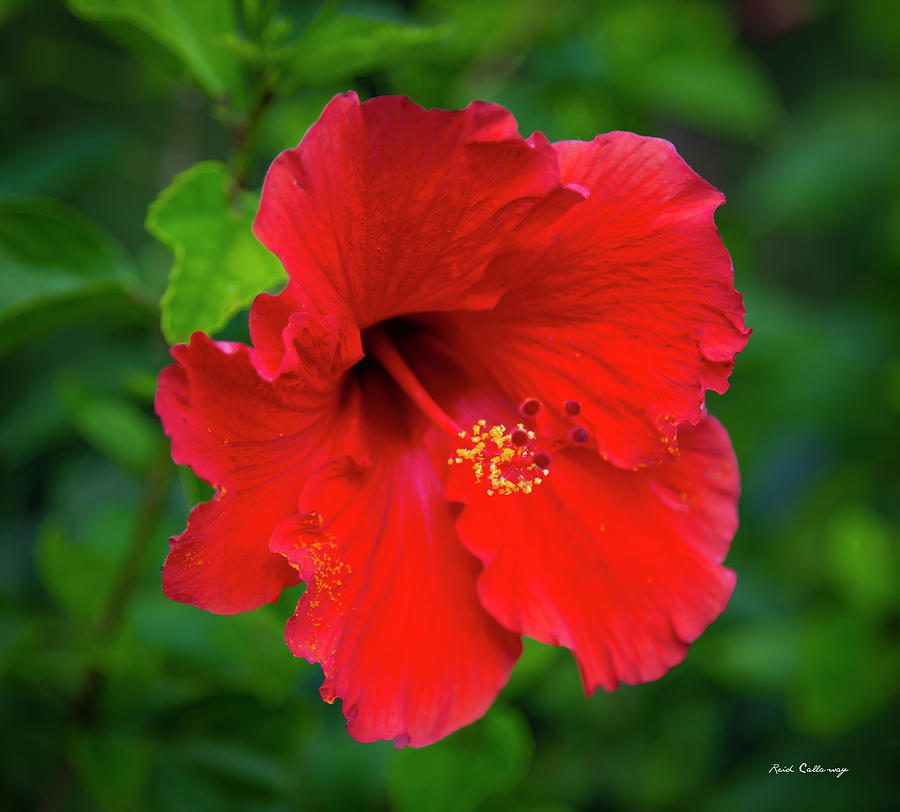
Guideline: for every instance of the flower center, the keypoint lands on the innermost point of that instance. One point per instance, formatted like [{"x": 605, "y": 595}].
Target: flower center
[
  {"x": 507, "y": 459},
  {"x": 516, "y": 460},
  {"x": 395, "y": 365}
]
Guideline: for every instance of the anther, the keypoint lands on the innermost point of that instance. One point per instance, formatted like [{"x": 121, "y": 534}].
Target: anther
[
  {"x": 578, "y": 434},
  {"x": 542, "y": 460},
  {"x": 572, "y": 407},
  {"x": 530, "y": 407},
  {"x": 519, "y": 437}
]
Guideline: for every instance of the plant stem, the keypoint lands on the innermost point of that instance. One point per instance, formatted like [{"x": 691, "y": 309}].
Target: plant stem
[
  {"x": 148, "y": 515},
  {"x": 243, "y": 135},
  {"x": 83, "y": 710}
]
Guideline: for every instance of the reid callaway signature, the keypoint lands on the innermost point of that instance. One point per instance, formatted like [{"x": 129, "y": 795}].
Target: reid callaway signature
[{"x": 806, "y": 768}]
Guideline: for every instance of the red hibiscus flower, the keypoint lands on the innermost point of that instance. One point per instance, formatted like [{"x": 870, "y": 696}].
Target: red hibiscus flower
[{"x": 475, "y": 412}]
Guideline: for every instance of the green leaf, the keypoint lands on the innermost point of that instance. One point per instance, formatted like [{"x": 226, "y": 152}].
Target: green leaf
[
  {"x": 245, "y": 653},
  {"x": 237, "y": 761},
  {"x": 194, "y": 31},
  {"x": 59, "y": 161},
  {"x": 112, "y": 766},
  {"x": 8, "y": 8},
  {"x": 757, "y": 657},
  {"x": 39, "y": 411},
  {"x": 536, "y": 662},
  {"x": 219, "y": 265},
  {"x": 56, "y": 266},
  {"x": 18, "y": 633},
  {"x": 683, "y": 59},
  {"x": 347, "y": 46},
  {"x": 861, "y": 562},
  {"x": 81, "y": 547},
  {"x": 846, "y": 672},
  {"x": 115, "y": 427},
  {"x": 724, "y": 92},
  {"x": 809, "y": 178},
  {"x": 484, "y": 760},
  {"x": 77, "y": 576}
]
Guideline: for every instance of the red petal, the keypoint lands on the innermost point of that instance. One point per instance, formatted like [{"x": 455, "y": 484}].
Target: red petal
[
  {"x": 255, "y": 440},
  {"x": 386, "y": 208},
  {"x": 631, "y": 310},
  {"x": 221, "y": 562},
  {"x": 391, "y": 611},
  {"x": 621, "y": 567}
]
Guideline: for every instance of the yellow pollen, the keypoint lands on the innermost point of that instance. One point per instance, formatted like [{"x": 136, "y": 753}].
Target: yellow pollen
[{"x": 506, "y": 467}]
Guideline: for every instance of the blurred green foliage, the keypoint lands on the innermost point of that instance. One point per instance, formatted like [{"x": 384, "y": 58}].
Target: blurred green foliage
[{"x": 114, "y": 698}]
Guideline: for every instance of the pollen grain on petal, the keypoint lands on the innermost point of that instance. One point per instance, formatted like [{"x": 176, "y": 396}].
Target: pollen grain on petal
[{"x": 319, "y": 563}]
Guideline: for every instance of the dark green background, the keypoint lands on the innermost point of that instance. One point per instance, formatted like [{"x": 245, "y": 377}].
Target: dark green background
[{"x": 115, "y": 698}]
